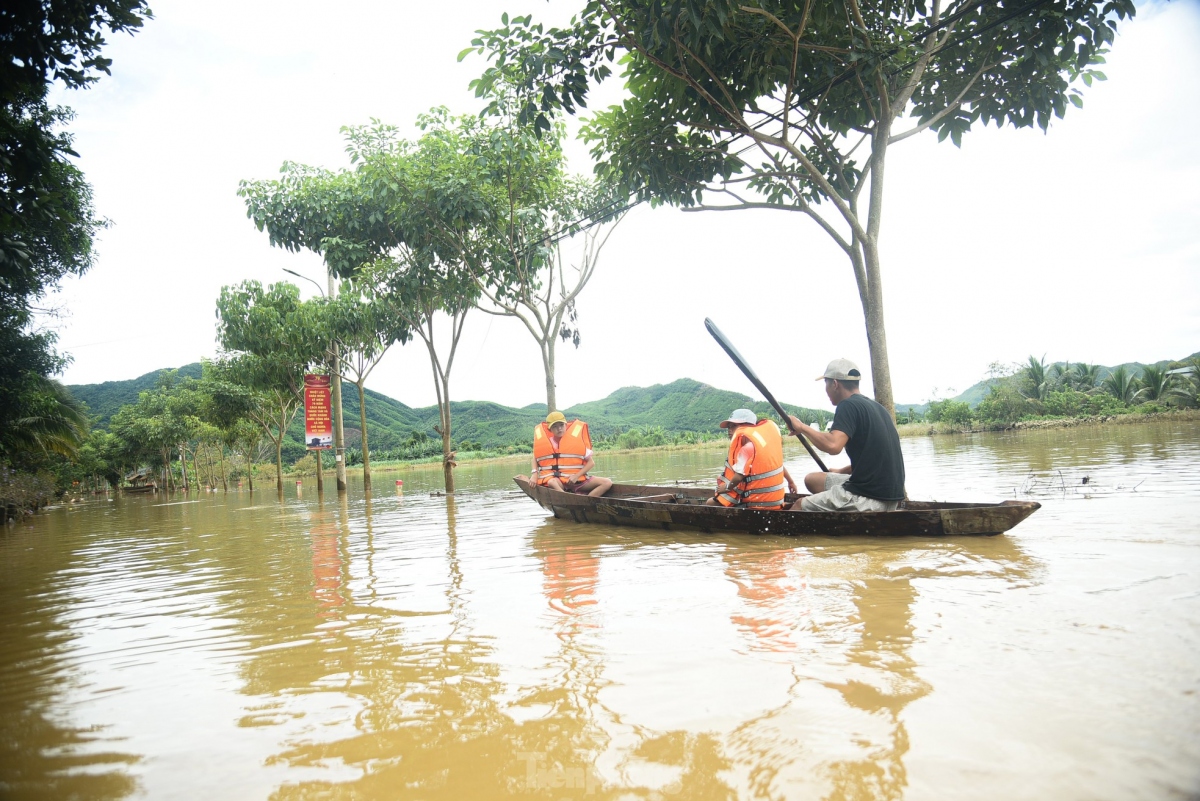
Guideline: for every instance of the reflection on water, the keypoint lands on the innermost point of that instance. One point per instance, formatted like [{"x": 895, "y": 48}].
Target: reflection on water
[{"x": 415, "y": 646}]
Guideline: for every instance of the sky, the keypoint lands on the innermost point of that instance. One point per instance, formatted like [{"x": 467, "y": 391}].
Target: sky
[{"x": 1079, "y": 244}]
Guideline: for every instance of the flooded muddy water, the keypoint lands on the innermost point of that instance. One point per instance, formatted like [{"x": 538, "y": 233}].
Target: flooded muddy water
[{"x": 239, "y": 646}]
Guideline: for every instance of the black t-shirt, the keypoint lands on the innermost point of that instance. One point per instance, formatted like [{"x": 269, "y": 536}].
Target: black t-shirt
[{"x": 874, "y": 449}]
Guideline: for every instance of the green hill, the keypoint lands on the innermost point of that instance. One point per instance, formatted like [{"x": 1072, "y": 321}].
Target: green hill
[
  {"x": 681, "y": 406},
  {"x": 105, "y": 399}
]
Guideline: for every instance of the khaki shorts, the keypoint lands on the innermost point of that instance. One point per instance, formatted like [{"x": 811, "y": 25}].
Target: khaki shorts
[{"x": 836, "y": 498}]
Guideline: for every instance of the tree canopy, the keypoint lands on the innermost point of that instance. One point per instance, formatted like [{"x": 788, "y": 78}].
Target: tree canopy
[
  {"x": 47, "y": 221},
  {"x": 792, "y": 105}
]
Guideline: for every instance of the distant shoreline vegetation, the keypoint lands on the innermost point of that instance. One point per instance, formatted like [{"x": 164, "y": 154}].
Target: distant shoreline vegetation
[
  {"x": 684, "y": 413},
  {"x": 1037, "y": 393}
]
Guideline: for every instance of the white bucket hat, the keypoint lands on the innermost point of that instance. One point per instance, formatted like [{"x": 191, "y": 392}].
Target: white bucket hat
[{"x": 740, "y": 417}]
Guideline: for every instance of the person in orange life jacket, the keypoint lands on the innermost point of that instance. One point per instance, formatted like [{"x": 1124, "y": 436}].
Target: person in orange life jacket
[
  {"x": 754, "y": 473},
  {"x": 562, "y": 457},
  {"x": 874, "y": 479}
]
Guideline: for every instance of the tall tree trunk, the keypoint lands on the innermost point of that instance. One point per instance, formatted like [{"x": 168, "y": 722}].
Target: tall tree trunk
[
  {"x": 279, "y": 463},
  {"x": 362, "y": 422},
  {"x": 224, "y": 483},
  {"x": 881, "y": 375},
  {"x": 187, "y": 487},
  {"x": 548, "y": 365},
  {"x": 195, "y": 465},
  {"x": 447, "y": 462}
]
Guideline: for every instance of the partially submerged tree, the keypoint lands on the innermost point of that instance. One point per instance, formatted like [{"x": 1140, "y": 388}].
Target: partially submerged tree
[
  {"x": 538, "y": 206},
  {"x": 270, "y": 339},
  {"x": 411, "y": 221},
  {"x": 793, "y": 105},
  {"x": 363, "y": 325}
]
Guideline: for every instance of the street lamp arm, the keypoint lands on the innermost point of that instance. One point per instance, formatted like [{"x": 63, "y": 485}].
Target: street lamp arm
[{"x": 306, "y": 278}]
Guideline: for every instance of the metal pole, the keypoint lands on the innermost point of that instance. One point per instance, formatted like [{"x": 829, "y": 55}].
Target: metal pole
[{"x": 339, "y": 434}]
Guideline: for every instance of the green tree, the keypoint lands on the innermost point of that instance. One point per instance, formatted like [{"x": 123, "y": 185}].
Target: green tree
[
  {"x": 269, "y": 340},
  {"x": 47, "y": 222},
  {"x": 364, "y": 325},
  {"x": 1122, "y": 385},
  {"x": 412, "y": 219},
  {"x": 794, "y": 105},
  {"x": 540, "y": 205},
  {"x": 1187, "y": 386},
  {"x": 1064, "y": 375},
  {"x": 158, "y": 426},
  {"x": 1155, "y": 383},
  {"x": 1036, "y": 379},
  {"x": 53, "y": 421},
  {"x": 1087, "y": 376},
  {"x": 227, "y": 408}
]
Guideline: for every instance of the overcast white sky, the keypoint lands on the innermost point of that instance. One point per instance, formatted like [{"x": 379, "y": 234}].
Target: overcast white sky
[{"x": 1082, "y": 244}]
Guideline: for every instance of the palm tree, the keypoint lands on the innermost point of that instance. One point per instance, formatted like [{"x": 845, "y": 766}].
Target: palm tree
[
  {"x": 1065, "y": 375},
  {"x": 1187, "y": 387},
  {"x": 55, "y": 421},
  {"x": 1156, "y": 383},
  {"x": 1037, "y": 378},
  {"x": 1087, "y": 376},
  {"x": 1122, "y": 385}
]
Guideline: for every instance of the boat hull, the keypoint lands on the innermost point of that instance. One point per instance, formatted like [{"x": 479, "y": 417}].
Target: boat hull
[{"x": 682, "y": 508}]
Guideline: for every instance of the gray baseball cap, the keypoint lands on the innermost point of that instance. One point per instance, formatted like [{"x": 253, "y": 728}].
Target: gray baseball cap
[
  {"x": 841, "y": 370},
  {"x": 740, "y": 417}
]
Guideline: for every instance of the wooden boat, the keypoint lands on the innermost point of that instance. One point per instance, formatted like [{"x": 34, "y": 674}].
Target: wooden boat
[{"x": 672, "y": 508}]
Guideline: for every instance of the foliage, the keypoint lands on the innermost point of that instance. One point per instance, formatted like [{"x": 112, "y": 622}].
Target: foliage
[
  {"x": 418, "y": 222},
  {"x": 1036, "y": 379},
  {"x": 1102, "y": 404},
  {"x": 104, "y": 399},
  {"x": 22, "y": 492},
  {"x": 1155, "y": 383},
  {"x": 1122, "y": 385},
  {"x": 1067, "y": 403},
  {"x": 1186, "y": 391},
  {"x": 52, "y": 421},
  {"x": 949, "y": 411},
  {"x": 363, "y": 325},
  {"x": 270, "y": 339},
  {"x": 47, "y": 222},
  {"x": 801, "y": 87},
  {"x": 1004, "y": 403}
]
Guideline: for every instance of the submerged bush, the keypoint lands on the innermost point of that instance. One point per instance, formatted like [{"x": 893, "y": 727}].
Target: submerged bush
[{"x": 22, "y": 492}]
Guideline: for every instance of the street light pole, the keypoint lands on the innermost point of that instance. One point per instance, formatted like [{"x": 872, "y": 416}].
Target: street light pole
[
  {"x": 339, "y": 433},
  {"x": 335, "y": 380}
]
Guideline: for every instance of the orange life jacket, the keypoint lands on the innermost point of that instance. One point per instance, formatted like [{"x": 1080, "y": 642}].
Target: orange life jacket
[
  {"x": 565, "y": 461},
  {"x": 763, "y": 486}
]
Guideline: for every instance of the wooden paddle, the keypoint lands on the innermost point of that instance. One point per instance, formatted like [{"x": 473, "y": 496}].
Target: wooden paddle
[{"x": 766, "y": 393}]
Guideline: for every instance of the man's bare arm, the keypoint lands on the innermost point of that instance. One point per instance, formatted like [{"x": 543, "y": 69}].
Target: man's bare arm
[{"x": 832, "y": 442}]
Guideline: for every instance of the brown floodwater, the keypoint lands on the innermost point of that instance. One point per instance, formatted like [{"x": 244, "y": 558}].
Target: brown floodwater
[{"x": 239, "y": 646}]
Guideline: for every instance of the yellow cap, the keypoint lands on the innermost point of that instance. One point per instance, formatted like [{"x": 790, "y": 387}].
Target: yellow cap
[{"x": 555, "y": 417}]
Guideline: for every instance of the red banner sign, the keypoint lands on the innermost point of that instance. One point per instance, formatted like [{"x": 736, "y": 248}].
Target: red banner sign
[{"x": 318, "y": 413}]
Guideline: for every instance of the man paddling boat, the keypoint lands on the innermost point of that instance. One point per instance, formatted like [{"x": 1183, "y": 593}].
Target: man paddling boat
[
  {"x": 754, "y": 474},
  {"x": 562, "y": 457},
  {"x": 874, "y": 479}
]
